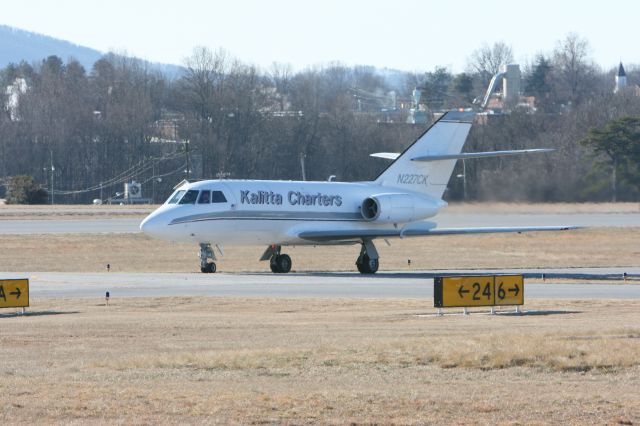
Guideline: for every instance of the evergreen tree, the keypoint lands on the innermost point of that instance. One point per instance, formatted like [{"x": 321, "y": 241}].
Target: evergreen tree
[
  {"x": 618, "y": 145},
  {"x": 537, "y": 84}
]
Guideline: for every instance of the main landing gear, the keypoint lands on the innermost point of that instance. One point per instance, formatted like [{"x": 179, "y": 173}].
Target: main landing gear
[
  {"x": 279, "y": 263},
  {"x": 207, "y": 258},
  {"x": 367, "y": 262}
]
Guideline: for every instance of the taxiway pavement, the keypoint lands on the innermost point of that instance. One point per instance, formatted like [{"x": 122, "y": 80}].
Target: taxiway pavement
[{"x": 384, "y": 285}]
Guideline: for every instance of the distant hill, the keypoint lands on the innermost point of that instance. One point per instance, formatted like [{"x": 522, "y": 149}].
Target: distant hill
[{"x": 18, "y": 45}]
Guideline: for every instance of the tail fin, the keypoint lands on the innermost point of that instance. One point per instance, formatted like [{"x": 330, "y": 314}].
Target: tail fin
[{"x": 444, "y": 138}]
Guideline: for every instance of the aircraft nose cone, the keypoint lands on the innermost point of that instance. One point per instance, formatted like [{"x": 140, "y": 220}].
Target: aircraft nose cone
[{"x": 151, "y": 225}]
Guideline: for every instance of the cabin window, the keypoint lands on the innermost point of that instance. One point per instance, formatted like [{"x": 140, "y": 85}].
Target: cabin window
[
  {"x": 218, "y": 197},
  {"x": 190, "y": 197},
  {"x": 176, "y": 196},
  {"x": 205, "y": 197}
]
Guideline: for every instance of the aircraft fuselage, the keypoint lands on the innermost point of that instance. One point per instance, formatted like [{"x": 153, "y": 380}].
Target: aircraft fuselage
[{"x": 253, "y": 212}]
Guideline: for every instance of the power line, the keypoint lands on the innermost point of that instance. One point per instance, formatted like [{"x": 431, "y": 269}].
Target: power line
[{"x": 140, "y": 168}]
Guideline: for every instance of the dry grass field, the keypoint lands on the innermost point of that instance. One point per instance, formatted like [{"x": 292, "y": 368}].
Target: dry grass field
[
  {"x": 603, "y": 247},
  {"x": 264, "y": 361}
]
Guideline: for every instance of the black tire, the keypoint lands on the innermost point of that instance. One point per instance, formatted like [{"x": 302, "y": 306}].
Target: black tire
[
  {"x": 274, "y": 266},
  {"x": 366, "y": 265},
  {"x": 284, "y": 263},
  {"x": 372, "y": 266},
  {"x": 209, "y": 269}
]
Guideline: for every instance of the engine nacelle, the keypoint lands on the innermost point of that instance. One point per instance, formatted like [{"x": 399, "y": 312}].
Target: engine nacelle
[{"x": 398, "y": 208}]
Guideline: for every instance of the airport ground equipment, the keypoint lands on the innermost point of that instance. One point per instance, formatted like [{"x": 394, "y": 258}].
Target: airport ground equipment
[{"x": 465, "y": 291}]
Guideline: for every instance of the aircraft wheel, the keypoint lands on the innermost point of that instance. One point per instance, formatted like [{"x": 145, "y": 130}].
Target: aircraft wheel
[
  {"x": 209, "y": 269},
  {"x": 366, "y": 265},
  {"x": 284, "y": 263},
  {"x": 274, "y": 266},
  {"x": 372, "y": 265}
]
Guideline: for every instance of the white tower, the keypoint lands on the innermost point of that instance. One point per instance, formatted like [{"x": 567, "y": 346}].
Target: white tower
[
  {"x": 511, "y": 83},
  {"x": 621, "y": 79}
]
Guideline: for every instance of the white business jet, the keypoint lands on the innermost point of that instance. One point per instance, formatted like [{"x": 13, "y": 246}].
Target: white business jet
[{"x": 397, "y": 203}]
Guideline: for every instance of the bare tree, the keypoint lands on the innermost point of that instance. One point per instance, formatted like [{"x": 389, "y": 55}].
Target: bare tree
[
  {"x": 487, "y": 60},
  {"x": 203, "y": 89},
  {"x": 281, "y": 76},
  {"x": 206, "y": 71},
  {"x": 573, "y": 69}
]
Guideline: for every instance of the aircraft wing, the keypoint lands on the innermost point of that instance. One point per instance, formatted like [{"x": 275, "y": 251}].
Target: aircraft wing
[{"x": 358, "y": 235}]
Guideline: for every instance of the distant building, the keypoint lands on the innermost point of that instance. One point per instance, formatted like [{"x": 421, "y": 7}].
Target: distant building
[
  {"x": 418, "y": 114},
  {"x": 497, "y": 102},
  {"x": 621, "y": 79},
  {"x": 510, "y": 83},
  {"x": 13, "y": 92}
]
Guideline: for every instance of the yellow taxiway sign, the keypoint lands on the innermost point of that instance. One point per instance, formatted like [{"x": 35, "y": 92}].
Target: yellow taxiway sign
[
  {"x": 482, "y": 290},
  {"x": 509, "y": 290},
  {"x": 14, "y": 293}
]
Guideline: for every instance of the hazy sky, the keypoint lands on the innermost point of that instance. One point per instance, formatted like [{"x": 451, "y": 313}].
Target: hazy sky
[{"x": 403, "y": 34}]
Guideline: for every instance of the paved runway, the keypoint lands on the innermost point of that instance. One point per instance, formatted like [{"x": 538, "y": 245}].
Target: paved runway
[
  {"x": 75, "y": 226},
  {"x": 385, "y": 285},
  {"x": 444, "y": 220}
]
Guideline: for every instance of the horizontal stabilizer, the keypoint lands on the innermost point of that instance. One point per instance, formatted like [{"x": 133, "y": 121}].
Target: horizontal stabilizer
[
  {"x": 469, "y": 155},
  {"x": 355, "y": 234},
  {"x": 385, "y": 155}
]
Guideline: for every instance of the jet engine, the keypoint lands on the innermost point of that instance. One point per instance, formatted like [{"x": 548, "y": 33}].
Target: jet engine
[{"x": 398, "y": 208}]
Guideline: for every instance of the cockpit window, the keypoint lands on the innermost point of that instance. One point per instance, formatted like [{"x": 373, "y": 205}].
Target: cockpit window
[
  {"x": 176, "y": 196},
  {"x": 205, "y": 197},
  {"x": 218, "y": 197},
  {"x": 190, "y": 197}
]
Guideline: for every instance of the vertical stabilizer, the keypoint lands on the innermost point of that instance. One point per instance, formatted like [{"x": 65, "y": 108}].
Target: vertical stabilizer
[{"x": 445, "y": 137}]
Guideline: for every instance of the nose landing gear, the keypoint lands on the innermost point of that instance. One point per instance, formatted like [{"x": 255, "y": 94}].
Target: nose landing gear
[{"x": 207, "y": 258}]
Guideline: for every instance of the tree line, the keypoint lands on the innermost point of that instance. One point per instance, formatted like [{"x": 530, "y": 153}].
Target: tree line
[{"x": 82, "y": 133}]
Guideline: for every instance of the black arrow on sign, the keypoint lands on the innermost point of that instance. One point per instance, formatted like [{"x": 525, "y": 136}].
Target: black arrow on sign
[
  {"x": 515, "y": 290},
  {"x": 461, "y": 291},
  {"x": 17, "y": 293}
]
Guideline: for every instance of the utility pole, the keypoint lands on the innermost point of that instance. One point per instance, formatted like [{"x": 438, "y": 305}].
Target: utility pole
[
  {"x": 464, "y": 180},
  {"x": 186, "y": 151},
  {"x": 53, "y": 169},
  {"x": 463, "y": 176},
  {"x": 304, "y": 173},
  {"x": 153, "y": 180}
]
